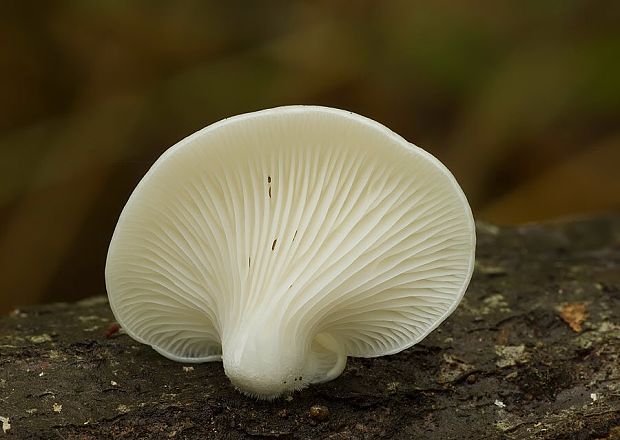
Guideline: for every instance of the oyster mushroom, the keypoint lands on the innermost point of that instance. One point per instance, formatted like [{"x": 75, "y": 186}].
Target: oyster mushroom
[{"x": 285, "y": 240}]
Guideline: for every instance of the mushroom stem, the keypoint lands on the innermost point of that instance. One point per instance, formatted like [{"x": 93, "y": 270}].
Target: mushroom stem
[
  {"x": 263, "y": 360},
  {"x": 266, "y": 361}
]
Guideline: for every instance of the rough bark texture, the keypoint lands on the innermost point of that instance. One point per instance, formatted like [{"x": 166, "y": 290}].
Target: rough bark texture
[{"x": 531, "y": 353}]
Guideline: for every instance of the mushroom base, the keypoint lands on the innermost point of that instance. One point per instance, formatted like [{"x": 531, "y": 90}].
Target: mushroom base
[{"x": 261, "y": 369}]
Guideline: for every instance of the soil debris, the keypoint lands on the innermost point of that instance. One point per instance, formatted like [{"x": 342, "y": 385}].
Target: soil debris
[
  {"x": 112, "y": 330},
  {"x": 574, "y": 314},
  {"x": 510, "y": 355},
  {"x": 6, "y": 424},
  {"x": 319, "y": 413}
]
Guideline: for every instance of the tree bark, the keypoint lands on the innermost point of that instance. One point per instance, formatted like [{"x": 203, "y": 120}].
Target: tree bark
[{"x": 532, "y": 352}]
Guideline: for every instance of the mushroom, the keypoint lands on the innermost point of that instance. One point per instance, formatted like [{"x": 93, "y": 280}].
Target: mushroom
[{"x": 283, "y": 241}]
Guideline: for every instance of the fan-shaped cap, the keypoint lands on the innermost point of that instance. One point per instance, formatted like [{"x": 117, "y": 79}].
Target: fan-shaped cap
[{"x": 284, "y": 240}]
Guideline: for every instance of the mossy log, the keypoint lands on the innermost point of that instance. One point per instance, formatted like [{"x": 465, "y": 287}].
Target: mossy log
[{"x": 532, "y": 352}]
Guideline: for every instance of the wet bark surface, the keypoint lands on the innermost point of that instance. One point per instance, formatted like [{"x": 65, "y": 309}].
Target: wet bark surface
[{"x": 532, "y": 352}]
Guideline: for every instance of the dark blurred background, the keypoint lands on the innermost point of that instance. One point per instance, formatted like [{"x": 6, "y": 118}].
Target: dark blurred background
[{"x": 521, "y": 100}]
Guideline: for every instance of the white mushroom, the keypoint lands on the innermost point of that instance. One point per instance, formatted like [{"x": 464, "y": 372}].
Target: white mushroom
[{"x": 285, "y": 240}]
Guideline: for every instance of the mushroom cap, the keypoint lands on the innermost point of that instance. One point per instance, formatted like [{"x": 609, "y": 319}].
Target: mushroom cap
[{"x": 285, "y": 240}]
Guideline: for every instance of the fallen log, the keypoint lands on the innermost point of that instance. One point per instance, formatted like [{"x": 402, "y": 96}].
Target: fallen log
[{"x": 532, "y": 352}]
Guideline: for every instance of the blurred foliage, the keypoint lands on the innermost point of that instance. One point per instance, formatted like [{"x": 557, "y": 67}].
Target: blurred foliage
[{"x": 521, "y": 100}]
